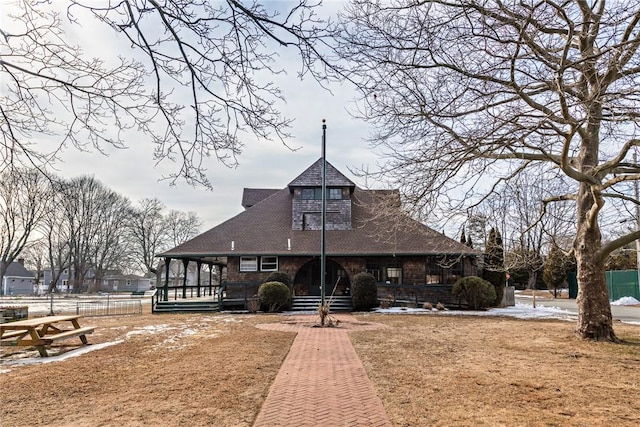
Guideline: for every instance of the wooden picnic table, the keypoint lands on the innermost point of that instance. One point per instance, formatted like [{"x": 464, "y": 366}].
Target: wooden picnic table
[{"x": 41, "y": 332}]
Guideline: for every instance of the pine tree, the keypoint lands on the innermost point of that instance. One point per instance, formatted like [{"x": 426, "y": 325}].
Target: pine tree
[{"x": 494, "y": 263}]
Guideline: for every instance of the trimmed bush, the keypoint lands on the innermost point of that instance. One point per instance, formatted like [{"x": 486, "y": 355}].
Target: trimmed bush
[
  {"x": 477, "y": 292},
  {"x": 274, "y": 297},
  {"x": 364, "y": 292},
  {"x": 279, "y": 276}
]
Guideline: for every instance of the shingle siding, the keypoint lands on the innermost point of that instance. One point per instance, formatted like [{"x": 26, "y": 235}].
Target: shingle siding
[{"x": 307, "y": 214}]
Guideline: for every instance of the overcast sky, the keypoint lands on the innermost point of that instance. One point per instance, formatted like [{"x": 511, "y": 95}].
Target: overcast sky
[{"x": 262, "y": 164}]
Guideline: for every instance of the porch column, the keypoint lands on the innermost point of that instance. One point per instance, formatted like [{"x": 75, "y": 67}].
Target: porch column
[
  {"x": 210, "y": 279},
  {"x": 167, "y": 262},
  {"x": 199, "y": 264},
  {"x": 185, "y": 263}
]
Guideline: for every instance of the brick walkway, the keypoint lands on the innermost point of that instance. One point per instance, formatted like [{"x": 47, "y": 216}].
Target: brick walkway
[{"x": 322, "y": 381}]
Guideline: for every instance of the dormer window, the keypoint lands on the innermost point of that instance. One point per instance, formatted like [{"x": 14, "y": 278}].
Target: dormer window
[
  {"x": 309, "y": 193},
  {"x": 316, "y": 194},
  {"x": 334, "y": 193}
]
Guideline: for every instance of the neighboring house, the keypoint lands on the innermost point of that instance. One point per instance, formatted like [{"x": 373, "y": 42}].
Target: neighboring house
[
  {"x": 117, "y": 282},
  {"x": 111, "y": 281},
  {"x": 64, "y": 280},
  {"x": 18, "y": 280},
  {"x": 280, "y": 230}
]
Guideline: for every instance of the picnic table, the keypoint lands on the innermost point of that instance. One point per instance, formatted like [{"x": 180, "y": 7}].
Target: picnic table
[{"x": 41, "y": 332}]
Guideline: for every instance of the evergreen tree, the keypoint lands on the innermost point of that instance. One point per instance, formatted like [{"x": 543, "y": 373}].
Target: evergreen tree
[
  {"x": 556, "y": 267},
  {"x": 463, "y": 238},
  {"x": 494, "y": 263}
]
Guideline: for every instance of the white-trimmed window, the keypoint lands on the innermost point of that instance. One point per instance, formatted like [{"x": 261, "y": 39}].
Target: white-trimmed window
[
  {"x": 394, "y": 275},
  {"x": 269, "y": 263},
  {"x": 248, "y": 263}
]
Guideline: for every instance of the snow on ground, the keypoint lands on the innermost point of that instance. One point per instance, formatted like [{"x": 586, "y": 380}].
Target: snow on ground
[
  {"x": 58, "y": 358},
  {"x": 626, "y": 301},
  {"x": 519, "y": 311}
]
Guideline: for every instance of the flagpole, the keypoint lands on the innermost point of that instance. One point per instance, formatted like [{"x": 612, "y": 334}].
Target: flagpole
[{"x": 323, "y": 255}]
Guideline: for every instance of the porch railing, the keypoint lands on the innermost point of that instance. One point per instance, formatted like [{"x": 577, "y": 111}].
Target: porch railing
[
  {"x": 399, "y": 294},
  {"x": 234, "y": 295}
]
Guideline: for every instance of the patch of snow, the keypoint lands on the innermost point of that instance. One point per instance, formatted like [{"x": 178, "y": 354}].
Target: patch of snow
[
  {"x": 151, "y": 329},
  {"x": 626, "y": 301},
  {"x": 60, "y": 357},
  {"x": 519, "y": 311}
]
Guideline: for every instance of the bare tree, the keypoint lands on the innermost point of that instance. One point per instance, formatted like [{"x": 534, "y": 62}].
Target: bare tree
[
  {"x": 35, "y": 258},
  {"x": 526, "y": 235},
  {"x": 57, "y": 234},
  {"x": 148, "y": 232},
  {"x": 182, "y": 226},
  {"x": 96, "y": 218},
  {"x": 192, "y": 77},
  {"x": 469, "y": 94},
  {"x": 23, "y": 196}
]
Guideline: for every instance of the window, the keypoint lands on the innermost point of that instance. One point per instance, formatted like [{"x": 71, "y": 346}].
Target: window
[
  {"x": 434, "y": 272},
  {"x": 316, "y": 193},
  {"x": 248, "y": 263},
  {"x": 394, "y": 275},
  {"x": 269, "y": 263},
  {"x": 308, "y": 193},
  {"x": 374, "y": 269}
]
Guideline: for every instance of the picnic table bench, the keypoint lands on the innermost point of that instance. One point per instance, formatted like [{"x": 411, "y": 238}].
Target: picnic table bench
[{"x": 41, "y": 332}]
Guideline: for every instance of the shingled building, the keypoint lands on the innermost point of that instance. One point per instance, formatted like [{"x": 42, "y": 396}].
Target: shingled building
[{"x": 280, "y": 230}]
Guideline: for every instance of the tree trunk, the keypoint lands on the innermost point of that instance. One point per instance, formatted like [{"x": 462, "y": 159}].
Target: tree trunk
[
  {"x": 532, "y": 280},
  {"x": 594, "y": 310}
]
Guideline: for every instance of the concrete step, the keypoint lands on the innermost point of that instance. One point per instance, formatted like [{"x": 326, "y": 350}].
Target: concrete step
[{"x": 311, "y": 303}]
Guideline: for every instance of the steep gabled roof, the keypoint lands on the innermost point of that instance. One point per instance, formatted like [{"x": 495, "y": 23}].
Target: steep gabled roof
[
  {"x": 16, "y": 269},
  {"x": 312, "y": 177},
  {"x": 265, "y": 229}
]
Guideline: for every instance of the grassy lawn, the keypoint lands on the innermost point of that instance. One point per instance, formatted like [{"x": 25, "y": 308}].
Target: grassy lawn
[
  {"x": 432, "y": 370},
  {"x": 215, "y": 370}
]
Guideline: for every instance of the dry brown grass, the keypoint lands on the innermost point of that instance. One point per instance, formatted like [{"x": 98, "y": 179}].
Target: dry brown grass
[
  {"x": 215, "y": 370},
  {"x": 216, "y": 374},
  {"x": 442, "y": 371}
]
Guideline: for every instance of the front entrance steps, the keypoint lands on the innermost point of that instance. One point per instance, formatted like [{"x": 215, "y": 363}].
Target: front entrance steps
[{"x": 311, "y": 303}]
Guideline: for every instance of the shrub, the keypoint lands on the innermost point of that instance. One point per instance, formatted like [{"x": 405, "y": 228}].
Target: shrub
[
  {"x": 427, "y": 306},
  {"x": 279, "y": 276},
  {"x": 364, "y": 292},
  {"x": 386, "y": 302},
  {"x": 477, "y": 292},
  {"x": 274, "y": 296},
  {"x": 440, "y": 306}
]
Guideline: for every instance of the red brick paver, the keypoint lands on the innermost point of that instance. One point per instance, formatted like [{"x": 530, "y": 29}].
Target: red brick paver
[{"x": 322, "y": 381}]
